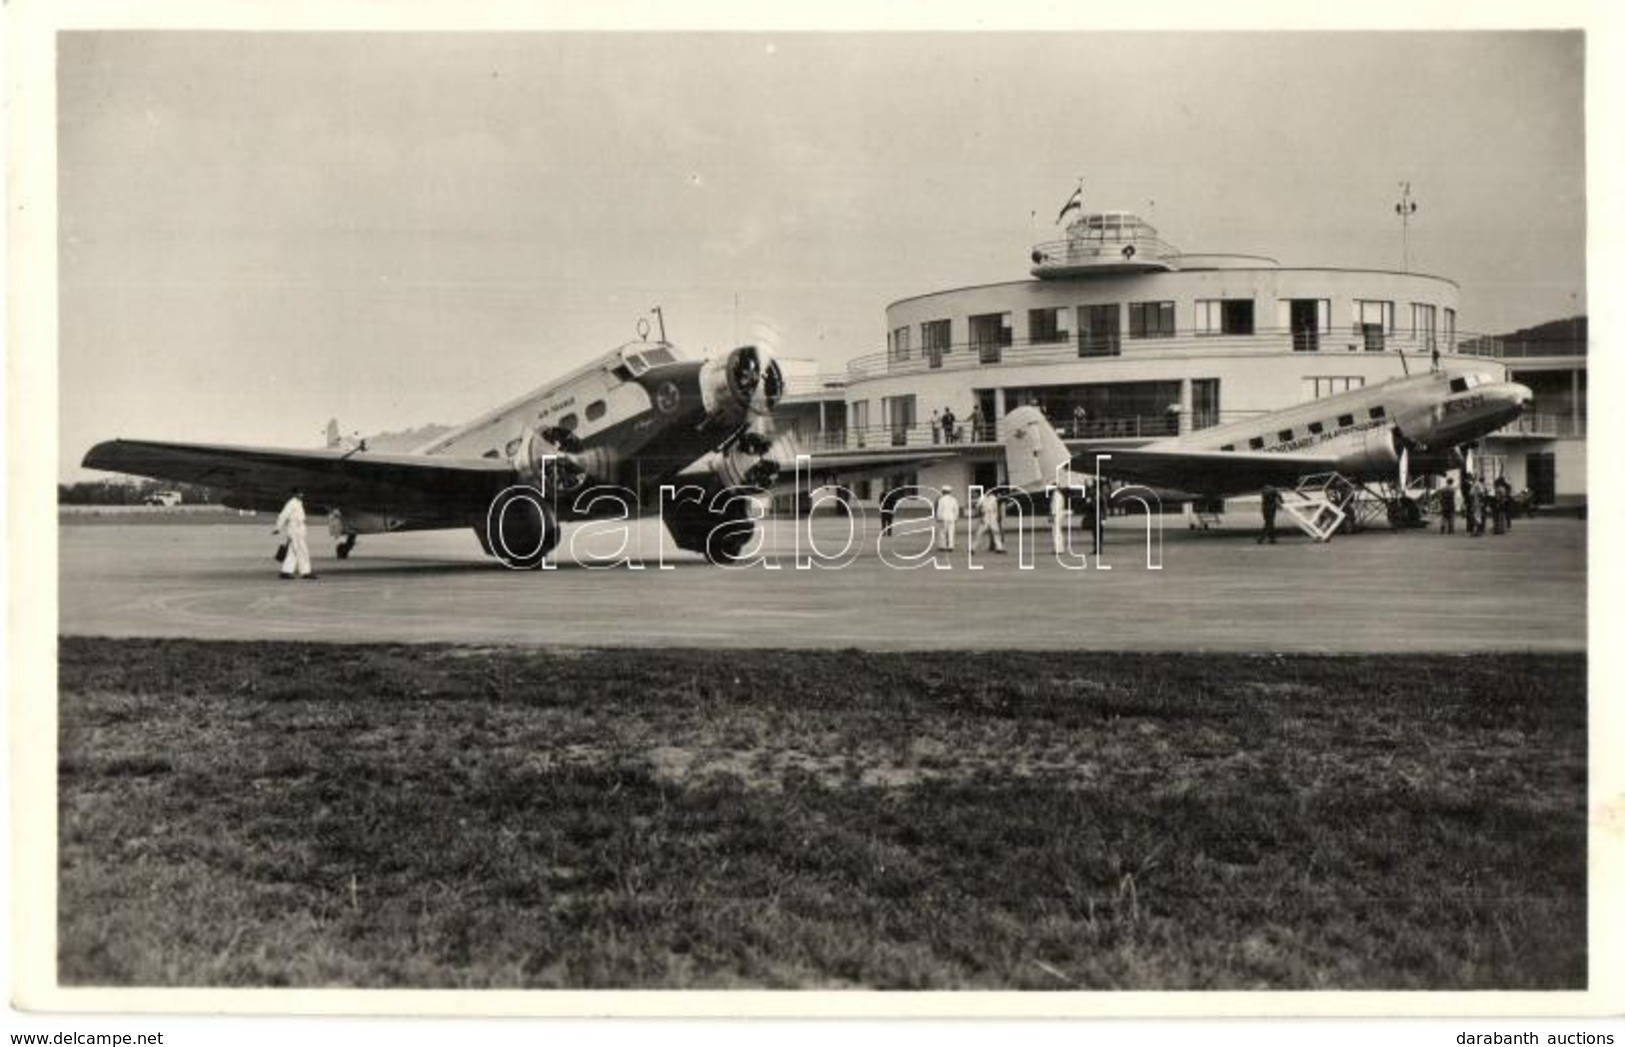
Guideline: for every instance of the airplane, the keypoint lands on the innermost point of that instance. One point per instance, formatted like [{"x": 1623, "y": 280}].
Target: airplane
[
  {"x": 1374, "y": 434},
  {"x": 599, "y": 442}
]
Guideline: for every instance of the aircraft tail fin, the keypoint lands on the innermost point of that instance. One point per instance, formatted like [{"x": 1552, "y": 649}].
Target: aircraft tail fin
[
  {"x": 1034, "y": 453},
  {"x": 333, "y": 438}
]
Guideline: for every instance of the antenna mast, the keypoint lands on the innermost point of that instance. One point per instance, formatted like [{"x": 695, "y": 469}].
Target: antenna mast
[{"x": 1405, "y": 208}]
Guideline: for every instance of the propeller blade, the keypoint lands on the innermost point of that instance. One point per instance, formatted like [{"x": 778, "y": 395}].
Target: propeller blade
[{"x": 1404, "y": 469}]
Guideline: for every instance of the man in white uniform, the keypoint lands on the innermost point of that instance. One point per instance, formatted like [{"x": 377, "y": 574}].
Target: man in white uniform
[
  {"x": 947, "y": 518},
  {"x": 987, "y": 522},
  {"x": 1060, "y": 517},
  {"x": 290, "y": 523}
]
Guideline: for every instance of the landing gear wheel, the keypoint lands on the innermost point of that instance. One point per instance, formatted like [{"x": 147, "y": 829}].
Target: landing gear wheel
[
  {"x": 520, "y": 528},
  {"x": 726, "y": 542},
  {"x": 1403, "y": 513},
  {"x": 721, "y": 536}
]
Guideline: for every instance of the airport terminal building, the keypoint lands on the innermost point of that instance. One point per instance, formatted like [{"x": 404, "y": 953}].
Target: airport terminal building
[{"x": 1118, "y": 335}]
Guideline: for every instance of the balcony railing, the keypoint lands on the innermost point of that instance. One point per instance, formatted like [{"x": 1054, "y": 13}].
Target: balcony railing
[
  {"x": 1550, "y": 425},
  {"x": 962, "y": 356}
]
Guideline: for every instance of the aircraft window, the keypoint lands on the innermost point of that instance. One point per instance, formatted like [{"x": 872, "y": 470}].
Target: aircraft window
[
  {"x": 1256, "y": 443},
  {"x": 595, "y": 410},
  {"x": 513, "y": 445},
  {"x": 655, "y": 357},
  {"x": 1317, "y": 428},
  {"x": 1228, "y": 447},
  {"x": 1378, "y": 412},
  {"x": 634, "y": 363},
  {"x": 569, "y": 421},
  {"x": 1345, "y": 419},
  {"x": 492, "y": 453},
  {"x": 1458, "y": 385},
  {"x": 1284, "y": 435},
  {"x": 623, "y": 372}
]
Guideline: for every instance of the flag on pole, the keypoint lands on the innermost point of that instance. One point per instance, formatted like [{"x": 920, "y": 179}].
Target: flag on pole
[{"x": 1073, "y": 203}]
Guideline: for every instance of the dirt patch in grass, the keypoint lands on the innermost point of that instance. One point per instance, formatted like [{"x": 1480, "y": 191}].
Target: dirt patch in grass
[{"x": 311, "y": 815}]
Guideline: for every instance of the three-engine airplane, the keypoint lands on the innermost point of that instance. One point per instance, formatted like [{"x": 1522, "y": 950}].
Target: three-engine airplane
[
  {"x": 600, "y": 442},
  {"x": 1372, "y": 434}
]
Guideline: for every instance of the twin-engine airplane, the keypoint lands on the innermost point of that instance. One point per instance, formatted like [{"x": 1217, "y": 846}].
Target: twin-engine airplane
[
  {"x": 601, "y": 442},
  {"x": 1374, "y": 434}
]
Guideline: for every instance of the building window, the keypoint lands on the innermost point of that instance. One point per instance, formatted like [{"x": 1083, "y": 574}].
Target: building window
[
  {"x": 1204, "y": 403},
  {"x": 1308, "y": 319},
  {"x": 860, "y": 420},
  {"x": 1224, "y": 316},
  {"x": 1331, "y": 385},
  {"x": 989, "y": 334},
  {"x": 1449, "y": 330},
  {"x": 1151, "y": 319},
  {"x": 899, "y": 412},
  {"x": 934, "y": 335},
  {"x": 1100, "y": 330},
  {"x": 1424, "y": 326},
  {"x": 1374, "y": 321},
  {"x": 1046, "y": 326},
  {"x": 899, "y": 345}
]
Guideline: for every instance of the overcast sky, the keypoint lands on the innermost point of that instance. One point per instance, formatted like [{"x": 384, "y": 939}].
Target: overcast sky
[{"x": 259, "y": 231}]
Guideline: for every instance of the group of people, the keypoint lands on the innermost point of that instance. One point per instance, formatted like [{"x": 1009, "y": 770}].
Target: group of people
[
  {"x": 987, "y": 517},
  {"x": 1480, "y": 505},
  {"x": 945, "y": 426}
]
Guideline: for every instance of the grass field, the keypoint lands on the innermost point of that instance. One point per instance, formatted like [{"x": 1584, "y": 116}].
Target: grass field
[{"x": 264, "y": 814}]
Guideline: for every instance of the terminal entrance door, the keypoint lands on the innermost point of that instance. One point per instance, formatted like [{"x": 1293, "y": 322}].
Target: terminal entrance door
[
  {"x": 985, "y": 405},
  {"x": 1540, "y": 476}
]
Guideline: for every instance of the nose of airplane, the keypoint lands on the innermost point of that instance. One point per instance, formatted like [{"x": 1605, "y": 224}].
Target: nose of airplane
[{"x": 1522, "y": 395}]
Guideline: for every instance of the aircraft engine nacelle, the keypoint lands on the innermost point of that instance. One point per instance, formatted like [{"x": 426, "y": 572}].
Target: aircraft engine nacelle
[
  {"x": 554, "y": 460},
  {"x": 744, "y": 383},
  {"x": 755, "y": 460},
  {"x": 1378, "y": 456}
]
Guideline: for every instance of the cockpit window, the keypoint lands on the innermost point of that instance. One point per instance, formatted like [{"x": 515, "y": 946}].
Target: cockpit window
[
  {"x": 634, "y": 364},
  {"x": 657, "y": 356}
]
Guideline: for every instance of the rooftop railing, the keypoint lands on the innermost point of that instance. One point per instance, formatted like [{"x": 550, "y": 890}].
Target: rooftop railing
[{"x": 1054, "y": 257}]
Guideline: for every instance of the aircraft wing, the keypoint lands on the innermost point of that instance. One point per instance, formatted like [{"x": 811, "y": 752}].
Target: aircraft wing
[
  {"x": 876, "y": 460},
  {"x": 261, "y": 477},
  {"x": 1211, "y": 473}
]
